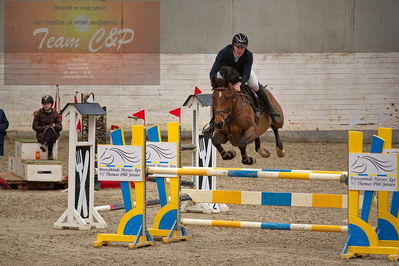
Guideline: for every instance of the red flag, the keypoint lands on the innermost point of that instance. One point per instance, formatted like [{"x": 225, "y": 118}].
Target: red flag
[
  {"x": 176, "y": 112},
  {"x": 140, "y": 115},
  {"x": 197, "y": 91},
  {"x": 57, "y": 102},
  {"x": 79, "y": 123},
  {"x": 56, "y": 99},
  {"x": 113, "y": 127}
]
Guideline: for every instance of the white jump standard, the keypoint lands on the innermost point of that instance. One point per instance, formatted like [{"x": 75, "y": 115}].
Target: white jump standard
[{"x": 80, "y": 213}]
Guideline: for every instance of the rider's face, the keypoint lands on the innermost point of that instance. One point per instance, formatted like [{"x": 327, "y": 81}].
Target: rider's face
[
  {"x": 238, "y": 50},
  {"x": 46, "y": 106}
]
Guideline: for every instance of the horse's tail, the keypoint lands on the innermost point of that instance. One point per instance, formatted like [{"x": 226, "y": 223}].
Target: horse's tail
[{"x": 277, "y": 108}]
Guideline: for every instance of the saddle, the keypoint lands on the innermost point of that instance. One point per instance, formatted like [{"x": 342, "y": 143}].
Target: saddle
[{"x": 253, "y": 100}]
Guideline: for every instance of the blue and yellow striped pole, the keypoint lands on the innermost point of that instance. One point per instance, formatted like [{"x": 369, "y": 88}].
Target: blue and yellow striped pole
[
  {"x": 312, "y": 200},
  {"x": 247, "y": 173}
]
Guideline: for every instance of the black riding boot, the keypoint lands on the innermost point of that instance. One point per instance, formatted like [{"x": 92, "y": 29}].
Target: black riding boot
[
  {"x": 43, "y": 147},
  {"x": 268, "y": 106},
  {"x": 209, "y": 130}
]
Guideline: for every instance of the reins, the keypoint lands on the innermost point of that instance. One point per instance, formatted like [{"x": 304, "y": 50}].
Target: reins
[{"x": 244, "y": 99}]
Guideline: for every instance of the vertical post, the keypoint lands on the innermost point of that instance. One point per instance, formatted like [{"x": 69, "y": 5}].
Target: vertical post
[
  {"x": 355, "y": 145},
  {"x": 194, "y": 136},
  {"x": 174, "y": 131},
  {"x": 72, "y": 162},
  {"x": 98, "y": 221},
  {"x": 91, "y": 140},
  {"x": 140, "y": 187}
]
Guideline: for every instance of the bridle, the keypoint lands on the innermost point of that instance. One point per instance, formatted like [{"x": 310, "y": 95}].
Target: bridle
[{"x": 228, "y": 118}]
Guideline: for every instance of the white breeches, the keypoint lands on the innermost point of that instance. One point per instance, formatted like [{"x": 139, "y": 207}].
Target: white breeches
[{"x": 253, "y": 81}]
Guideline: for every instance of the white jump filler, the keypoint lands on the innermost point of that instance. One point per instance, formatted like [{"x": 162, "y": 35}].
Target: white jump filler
[{"x": 80, "y": 213}]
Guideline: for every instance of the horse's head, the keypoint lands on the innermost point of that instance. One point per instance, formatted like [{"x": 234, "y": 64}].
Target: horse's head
[{"x": 223, "y": 99}]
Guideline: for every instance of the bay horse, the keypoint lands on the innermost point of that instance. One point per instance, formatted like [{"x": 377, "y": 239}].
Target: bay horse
[{"x": 236, "y": 121}]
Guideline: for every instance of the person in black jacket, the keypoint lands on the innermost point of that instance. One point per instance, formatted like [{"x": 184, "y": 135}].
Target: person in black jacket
[
  {"x": 3, "y": 127},
  {"x": 237, "y": 55},
  {"x": 47, "y": 124}
]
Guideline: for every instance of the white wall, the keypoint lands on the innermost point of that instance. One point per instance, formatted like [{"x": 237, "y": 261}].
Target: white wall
[{"x": 318, "y": 91}]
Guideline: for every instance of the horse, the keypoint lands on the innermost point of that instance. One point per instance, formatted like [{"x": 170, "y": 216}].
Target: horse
[{"x": 236, "y": 121}]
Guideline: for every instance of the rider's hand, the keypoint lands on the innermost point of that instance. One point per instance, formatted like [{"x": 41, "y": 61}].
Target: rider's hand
[{"x": 237, "y": 86}]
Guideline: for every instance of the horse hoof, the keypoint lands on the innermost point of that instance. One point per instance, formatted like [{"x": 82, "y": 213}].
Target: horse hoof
[
  {"x": 264, "y": 152},
  {"x": 248, "y": 160},
  {"x": 280, "y": 152},
  {"x": 229, "y": 155}
]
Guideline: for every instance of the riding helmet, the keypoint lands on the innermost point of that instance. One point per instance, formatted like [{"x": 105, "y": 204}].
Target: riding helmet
[
  {"x": 47, "y": 99},
  {"x": 240, "y": 40}
]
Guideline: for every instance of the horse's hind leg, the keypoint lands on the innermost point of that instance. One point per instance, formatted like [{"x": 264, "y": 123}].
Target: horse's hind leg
[
  {"x": 217, "y": 141},
  {"x": 279, "y": 143},
  {"x": 259, "y": 149}
]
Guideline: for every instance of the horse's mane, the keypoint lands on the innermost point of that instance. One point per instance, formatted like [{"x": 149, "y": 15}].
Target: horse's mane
[
  {"x": 229, "y": 76},
  {"x": 218, "y": 82}
]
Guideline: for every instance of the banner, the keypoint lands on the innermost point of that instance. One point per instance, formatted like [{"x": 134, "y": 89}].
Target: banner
[
  {"x": 373, "y": 171},
  {"x": 82, "y": 42},
  {"x": 161, "y": 154},
  {"x": 120, "y": 163}
]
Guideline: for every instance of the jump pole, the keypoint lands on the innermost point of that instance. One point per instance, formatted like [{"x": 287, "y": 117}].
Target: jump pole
[
  {"x": 313, "y": 200},
  {"x": 269, "y": 226},
  {"x": 246, "y": 173},
  {"x": 121, "y": 206},
  {"x": 288, "y": 170}
]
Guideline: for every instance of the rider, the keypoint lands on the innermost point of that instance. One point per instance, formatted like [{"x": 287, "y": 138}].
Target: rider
[
  {"x": 237, "y": 55},
  {"x": 47, "y": 124}
]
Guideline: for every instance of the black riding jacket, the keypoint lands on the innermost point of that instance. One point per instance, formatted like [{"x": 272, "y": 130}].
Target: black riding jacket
[{"x": 225, "y": 57}]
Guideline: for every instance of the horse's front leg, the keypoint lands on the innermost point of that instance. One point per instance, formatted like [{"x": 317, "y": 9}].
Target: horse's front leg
[
  {"x": 246, "y": 138},
  {"x": 217, "y": 141},
  {"x": 279, "y": 143}
]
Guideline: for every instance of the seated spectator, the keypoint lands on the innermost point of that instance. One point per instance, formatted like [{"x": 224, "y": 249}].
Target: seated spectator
[
  {"x": 47, "y": 124},
  {"x": 3, "y": 127}
]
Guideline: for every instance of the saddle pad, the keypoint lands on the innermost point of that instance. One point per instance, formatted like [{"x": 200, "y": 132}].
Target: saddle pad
[{"x": 253, "y": 99}]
